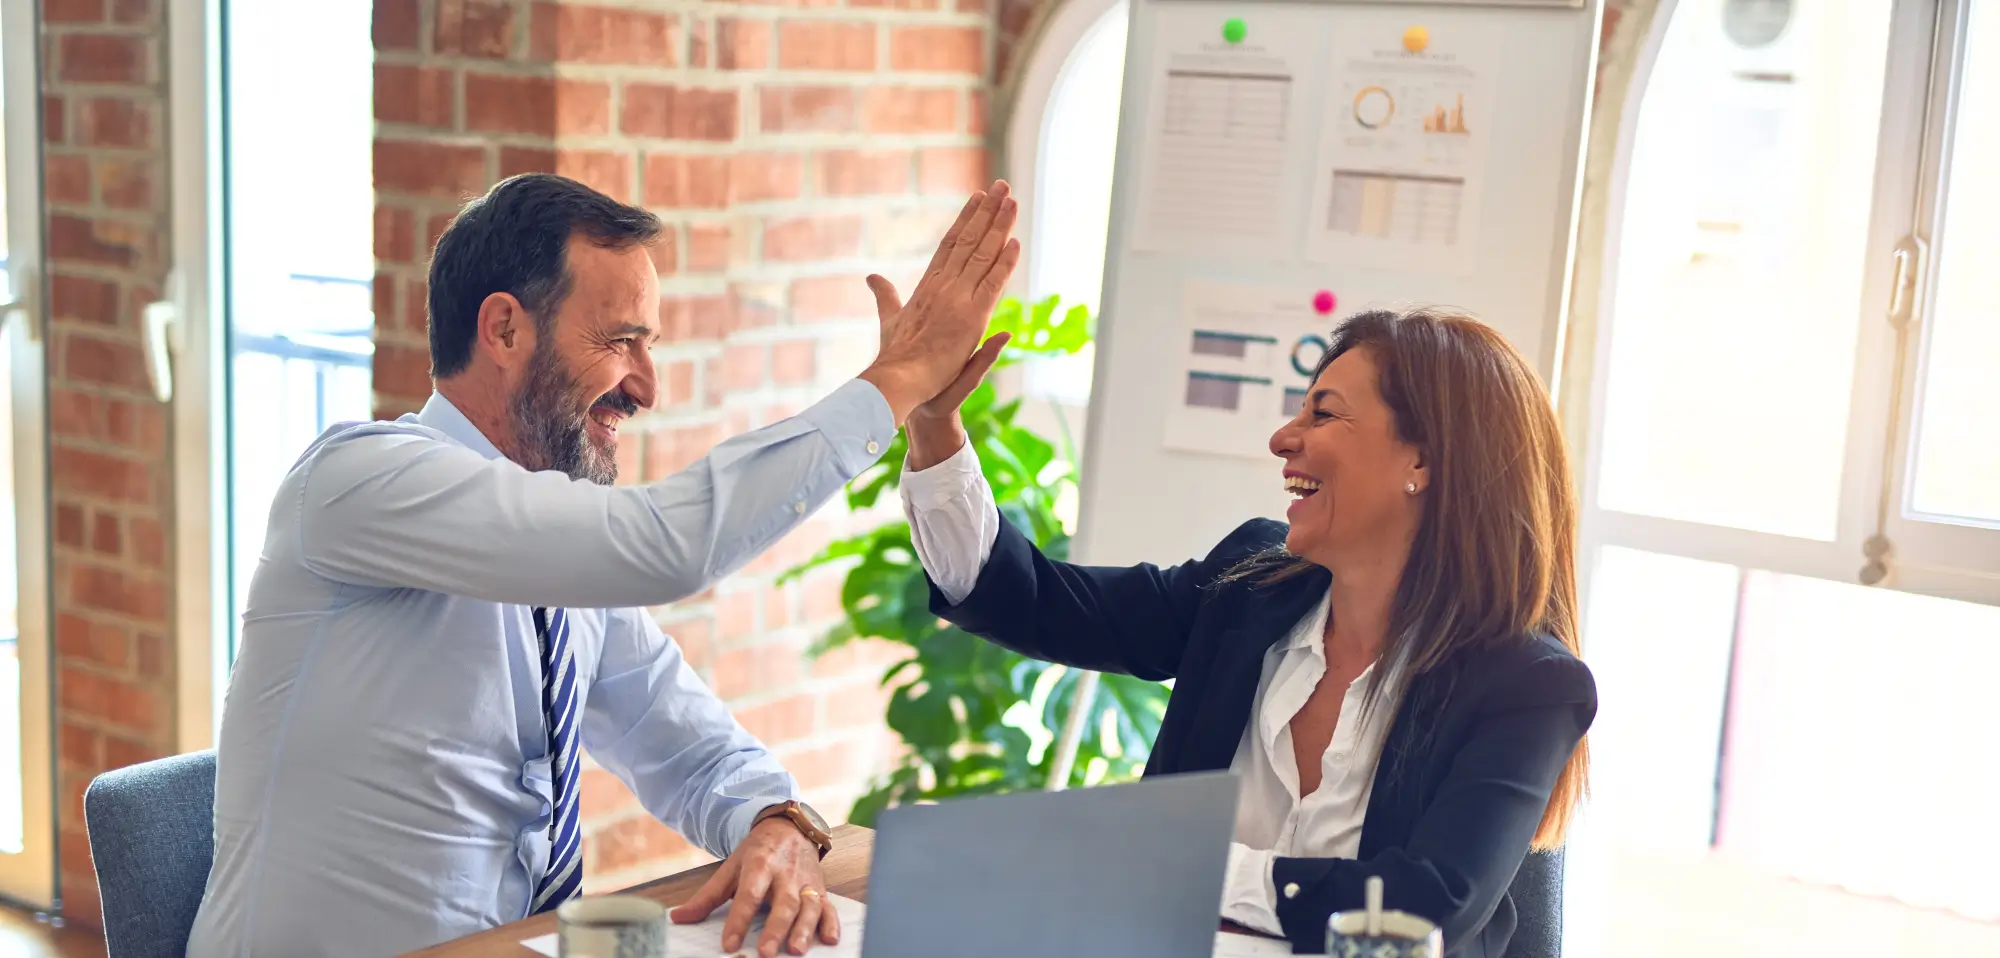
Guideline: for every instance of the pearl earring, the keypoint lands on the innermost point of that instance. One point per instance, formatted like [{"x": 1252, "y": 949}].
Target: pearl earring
[{"x": 1411, "y": 488}]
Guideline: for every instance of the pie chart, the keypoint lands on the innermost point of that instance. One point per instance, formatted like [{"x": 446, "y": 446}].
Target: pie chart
[{"x": 1373, "y": 107}]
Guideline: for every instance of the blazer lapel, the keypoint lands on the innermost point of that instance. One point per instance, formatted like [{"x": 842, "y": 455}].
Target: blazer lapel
[{"x": 1265, "y": 615}]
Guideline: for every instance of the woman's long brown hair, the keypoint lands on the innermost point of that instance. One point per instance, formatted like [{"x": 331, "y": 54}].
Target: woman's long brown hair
[{"x": 1494, "y": 557}]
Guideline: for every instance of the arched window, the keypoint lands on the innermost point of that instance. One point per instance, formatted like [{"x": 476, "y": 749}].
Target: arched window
[{"x": 1061, "y": 147}]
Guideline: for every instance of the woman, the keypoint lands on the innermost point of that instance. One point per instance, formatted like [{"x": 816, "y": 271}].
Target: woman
[{"x": 1393, "y": 673}]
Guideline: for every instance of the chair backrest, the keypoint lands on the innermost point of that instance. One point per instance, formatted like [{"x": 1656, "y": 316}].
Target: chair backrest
[
  {"x": 1538, "y": 905},
  {"x": 152, "y": 838}
]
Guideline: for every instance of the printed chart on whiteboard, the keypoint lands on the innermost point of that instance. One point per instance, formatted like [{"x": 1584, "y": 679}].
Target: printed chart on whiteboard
[
  {"x": 1225, "y": 103},
  {"x": 1403, "y": 144},
  {"x": 1249, "y": 353}
]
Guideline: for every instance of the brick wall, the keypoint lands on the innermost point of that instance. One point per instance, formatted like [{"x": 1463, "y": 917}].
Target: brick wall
[
  {"x": 791, "y": 149},
  {"x": 105, "y": 167}
]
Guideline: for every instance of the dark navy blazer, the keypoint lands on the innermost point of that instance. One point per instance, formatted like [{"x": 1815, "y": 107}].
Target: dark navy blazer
[{"x": 1465, "y": 772}]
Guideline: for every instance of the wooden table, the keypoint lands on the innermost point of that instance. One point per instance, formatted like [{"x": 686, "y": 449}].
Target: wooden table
[{"x": 846, "y": 870}]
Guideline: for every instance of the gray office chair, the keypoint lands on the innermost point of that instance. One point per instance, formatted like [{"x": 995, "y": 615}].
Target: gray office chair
[
  {"x": 152, "y": 838},
  {"x": 1538, "y": 903}
]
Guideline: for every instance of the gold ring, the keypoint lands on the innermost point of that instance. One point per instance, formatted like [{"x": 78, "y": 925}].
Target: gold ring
[{"x": 808, "y": 893}]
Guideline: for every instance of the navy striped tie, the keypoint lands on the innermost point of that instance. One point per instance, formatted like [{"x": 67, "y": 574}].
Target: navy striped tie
[{"x": 565, "y": 872}]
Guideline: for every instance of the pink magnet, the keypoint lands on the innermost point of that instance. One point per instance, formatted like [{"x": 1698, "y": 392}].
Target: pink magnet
[{"x": 1323, "y": 302}]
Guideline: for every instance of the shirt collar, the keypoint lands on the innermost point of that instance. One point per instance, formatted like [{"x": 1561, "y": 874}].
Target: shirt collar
[{"x": 439, "y": 414}]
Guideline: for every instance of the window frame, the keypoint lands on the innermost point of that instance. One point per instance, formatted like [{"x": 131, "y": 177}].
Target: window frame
[
  {"x": 1926, "y": 557},
  {"x": 30, "y": 876}
]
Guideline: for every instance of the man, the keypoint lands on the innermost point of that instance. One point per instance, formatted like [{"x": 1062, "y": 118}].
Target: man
[{"x": 450, "y": 607}]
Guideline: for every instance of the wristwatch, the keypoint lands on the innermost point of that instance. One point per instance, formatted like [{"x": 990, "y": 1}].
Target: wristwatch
[{"x": 809, "y": 824}]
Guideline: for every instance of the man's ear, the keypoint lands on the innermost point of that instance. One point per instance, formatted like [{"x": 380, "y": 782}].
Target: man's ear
[{"x": 506, "y": 331}]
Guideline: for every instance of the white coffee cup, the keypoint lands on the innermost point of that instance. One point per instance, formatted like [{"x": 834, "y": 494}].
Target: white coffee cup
[{"x": 611, "y": 926}]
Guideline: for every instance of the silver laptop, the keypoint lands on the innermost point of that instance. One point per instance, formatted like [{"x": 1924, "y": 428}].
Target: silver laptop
[{"x": 1121, "y": 870}]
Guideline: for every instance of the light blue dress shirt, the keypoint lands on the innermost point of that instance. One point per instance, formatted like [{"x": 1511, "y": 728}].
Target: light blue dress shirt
[{"x": 383, "y": 776}]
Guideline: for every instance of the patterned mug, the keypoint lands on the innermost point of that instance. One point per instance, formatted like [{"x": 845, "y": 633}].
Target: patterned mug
[
  {"x": 611, "y": 926},
  {"x": 1401, "y": 935}
]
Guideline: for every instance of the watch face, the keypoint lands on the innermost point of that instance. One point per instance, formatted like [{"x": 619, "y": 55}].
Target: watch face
[
  {"x": 1756, "y": 23},
  {"x": 813, "y": 817}
]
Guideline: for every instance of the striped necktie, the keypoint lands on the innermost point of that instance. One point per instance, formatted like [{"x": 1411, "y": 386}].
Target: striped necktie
[{"x": 565, "y": 871}]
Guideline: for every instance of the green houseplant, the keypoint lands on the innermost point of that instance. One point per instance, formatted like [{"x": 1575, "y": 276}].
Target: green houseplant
[{"x": 978, "y": 719}]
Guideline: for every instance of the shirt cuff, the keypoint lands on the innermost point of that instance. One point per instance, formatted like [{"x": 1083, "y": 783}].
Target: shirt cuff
[
  {"x": 948, "y": 480},
  {"x": 1248, "y": 896},
  {"x": 859, "y": 423},
  {"x": 736, "y": 827}
]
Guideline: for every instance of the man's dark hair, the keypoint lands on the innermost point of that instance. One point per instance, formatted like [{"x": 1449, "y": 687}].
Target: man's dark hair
[{"x": 514, "y": 240}]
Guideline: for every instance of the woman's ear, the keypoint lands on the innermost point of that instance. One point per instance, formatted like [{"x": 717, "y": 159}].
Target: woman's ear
[
  {"x": 1418, "y": 478},
  {"x": 506, "y": 331}
]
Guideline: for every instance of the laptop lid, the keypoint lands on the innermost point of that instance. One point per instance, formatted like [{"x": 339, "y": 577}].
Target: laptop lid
[{"x": 1103, "y": 872}]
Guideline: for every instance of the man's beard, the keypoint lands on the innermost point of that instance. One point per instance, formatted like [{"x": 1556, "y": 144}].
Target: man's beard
[{"x": 551, "y": 424}]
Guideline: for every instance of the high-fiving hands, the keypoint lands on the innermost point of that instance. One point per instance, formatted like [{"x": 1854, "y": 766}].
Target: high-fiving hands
[{"x": 931, "y": 357}]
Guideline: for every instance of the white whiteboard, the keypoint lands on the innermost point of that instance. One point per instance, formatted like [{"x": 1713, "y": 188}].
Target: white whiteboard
[{"x": 1508, "y": 260}]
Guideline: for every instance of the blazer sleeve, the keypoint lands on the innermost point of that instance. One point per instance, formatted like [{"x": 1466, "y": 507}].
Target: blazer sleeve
[
  {"x": 1472, "y": 836},
  {"x": 1133, "y": 620}
]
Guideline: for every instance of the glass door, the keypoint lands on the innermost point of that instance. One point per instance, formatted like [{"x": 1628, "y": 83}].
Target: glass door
[{"x": 27, "y": 827}]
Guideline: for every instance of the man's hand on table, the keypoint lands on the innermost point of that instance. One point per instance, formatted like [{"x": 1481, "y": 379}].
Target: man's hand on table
[{"x": 776, "y": 864}]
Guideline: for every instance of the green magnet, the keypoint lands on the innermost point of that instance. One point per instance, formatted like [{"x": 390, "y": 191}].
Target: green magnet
[{"x": 1233, "y": 29}]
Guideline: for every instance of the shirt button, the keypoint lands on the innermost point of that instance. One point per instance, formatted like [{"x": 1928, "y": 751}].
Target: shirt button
[
  {"x": 874, "y": 448},
  {"x": 799, "y": 507},
  {"x": 1291, "y": 889}
]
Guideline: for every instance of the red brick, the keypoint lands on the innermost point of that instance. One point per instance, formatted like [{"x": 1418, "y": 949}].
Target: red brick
[
  {"x": 72, "y": 11},
  {"x": 953, "y": 170},
  {"x": 413, "y": 94},
  {"x": 630, "y": 842},
  {"x": 126, "y": 184},
  {"x": 582, "y": 34},
  {"x": 829, "y": 766},
  {"x": 821, "y": 601},
  {"x": 669, "y": 451},
  {"x": 713, "y": 392},
  {"x": 104, "y": 242},
  {"x": 516, "y": 160},
  {"x": 807, "y": 238},
  {"x": 139, "y": 426},
  {"x": 432, "y": 169},
  {"x": 433, "y": 229},
  {"x": 806, "y": 109},
  {"x": 402, "y": 370},
  {"x": 757, "y": 177},
  {"x": 817, "y": 298},
  {"x": 745, "y": 367},
  {"x": 757, "y": 668},
  {"x": 416, "y": 306},
  {"x": 102, "y": 58},
  {"x": 121, "y": 752},
  {"x": 777, "y": 600},
  {"x": 154, "y": 658},
  {"x": 678, "y": 113},
  {"x": 149, "y": 542},
  {"x": 81, "y": 746},
  {"x": 887, "y": 109},
  {"x": 115, "y": 123},
  {"x": 975, "y": 119},
  {"x": 69, "y": 524},
  {"x": 78, "y": 638},
  {"x": 66, "y": 179},
  {"x": 395, "y": 234},
  {"x": 601, "y": 793},
  {"x": 109, "y": 590},
  {"x": 55, "y": 128},
  {"x": 135, "y": 12},
  {"x": 687, "y": 182},
  {"x": 474, "y": 28},
  {"x": 396, "y": 24},
  {"x": 711, "y": 247},
  {"x": 825, "y": 45},
  {"x": 693, "y": 319},
  {"x": 858, "y": 704},
  {"x": 698, "y": 44},
  {"x": 695, "y": 637},
  {"x": 862, "y": 172},
  {"x": 895, "y": 4},
  {"x": 537, "y": 105},
  {"x": 606, "y": 172},
  {"x": 933, "y": 49},
  {"x": 742, "y": 43},
  {"x": 83, "y": 299},
  {"x": 677, "y": 383},
  {"x": 106, "y": 536},
  {"x": 785, "y": 720},
  {"x": 665, "y": 252},
  {"x": 108, "y": 477},
  {"x": 120, "y": 703},
  {"x": 104, "y": 362},
  {"x": 793, "y": 363}
]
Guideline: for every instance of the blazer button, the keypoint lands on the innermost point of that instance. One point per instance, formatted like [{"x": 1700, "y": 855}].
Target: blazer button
[
  {"x": 874, "y": 448},
  {"x": 1291, "y": 889}
]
